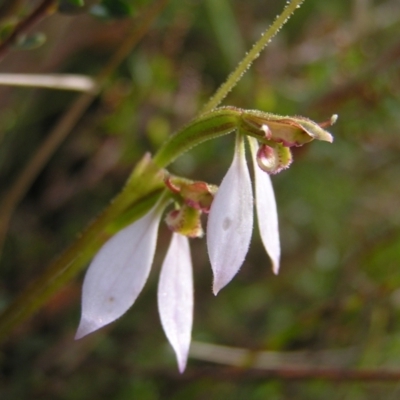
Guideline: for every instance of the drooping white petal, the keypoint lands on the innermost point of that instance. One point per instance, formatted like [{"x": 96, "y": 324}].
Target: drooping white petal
[
  {"x": 118, "y": 273},
  {"x": 175, "y": 297},
  {"x": 266, "y": 211},
  {"x": 230, "y": 221}
]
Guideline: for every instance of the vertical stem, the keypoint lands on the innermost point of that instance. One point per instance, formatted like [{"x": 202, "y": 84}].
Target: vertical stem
[{"x": 253, "y": 54}]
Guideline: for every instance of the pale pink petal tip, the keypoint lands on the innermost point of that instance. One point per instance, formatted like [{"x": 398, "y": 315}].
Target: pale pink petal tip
[
  {"x": 218, "y": 285},
  {"x": 175, "y": 297},
  {"x": 86, "y": 327},
  {"x": 230, "y": 222},
  {"x": 275, "y": 267},
  {"x": 182, "y": 361},
  {"x": 215, "y": 290}
]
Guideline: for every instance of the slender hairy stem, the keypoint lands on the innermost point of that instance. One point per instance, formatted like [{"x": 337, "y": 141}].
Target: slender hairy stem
[{"x": 253, "y": 54}]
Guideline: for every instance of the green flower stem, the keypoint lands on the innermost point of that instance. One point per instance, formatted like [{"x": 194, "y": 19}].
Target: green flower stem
[
  {"x": 209, "y": 126},
  {"x": 62, "y": 270},
  {"x": 252, "y": 55},
  {"x": 141, "y": 192}
]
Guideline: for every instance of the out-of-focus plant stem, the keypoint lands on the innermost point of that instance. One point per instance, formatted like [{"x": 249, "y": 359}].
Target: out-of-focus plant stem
[
  {"x": 69, "y": 119},
  {"x": 247, "y": 375},
  {"x": 44, "y": 9},
  {"x": 8, "y": 8}
]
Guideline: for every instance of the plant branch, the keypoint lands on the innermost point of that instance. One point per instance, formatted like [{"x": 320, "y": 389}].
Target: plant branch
[
  {"x": 80, "y": 83},
  {"x": 287, "y": 373},
  {"x": 44, "y": 9}
]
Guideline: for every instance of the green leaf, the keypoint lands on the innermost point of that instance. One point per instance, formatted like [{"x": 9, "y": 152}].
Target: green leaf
[{"x": 29, "y": 42}]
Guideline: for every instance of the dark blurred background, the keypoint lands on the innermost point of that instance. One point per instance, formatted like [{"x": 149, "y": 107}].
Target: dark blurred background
[{"x": 338, "y": 293}]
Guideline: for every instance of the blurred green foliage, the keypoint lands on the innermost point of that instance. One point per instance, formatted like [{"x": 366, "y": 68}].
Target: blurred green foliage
[{"x": 339, "y": 285}]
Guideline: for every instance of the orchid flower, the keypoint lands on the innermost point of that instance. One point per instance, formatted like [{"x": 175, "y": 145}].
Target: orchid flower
[{"x": 120, "y": 269}]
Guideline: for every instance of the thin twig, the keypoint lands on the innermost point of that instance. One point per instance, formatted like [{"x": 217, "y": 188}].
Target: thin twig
[
  {"x": 46, "y": 8},
  {"x": 287, "y": 373},
  {"x": 68, "y": 121},
  {"x": 80, "y": 83},
  {"x": 267, "y": 360}
]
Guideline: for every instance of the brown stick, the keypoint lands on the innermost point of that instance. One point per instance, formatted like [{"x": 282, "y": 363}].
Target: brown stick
[
  {"x": 47, "y": 7},
  {"x": 285, "y": 373}
]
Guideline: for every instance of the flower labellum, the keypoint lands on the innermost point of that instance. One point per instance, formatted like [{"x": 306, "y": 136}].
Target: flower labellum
[
  {"x": 175, "y": 297},
  {"x": 118, "y": 273},
  {"x": 230, "y": 222},
  {"x": 186, "y": 221},
  {"x": 273, "y": 159}
]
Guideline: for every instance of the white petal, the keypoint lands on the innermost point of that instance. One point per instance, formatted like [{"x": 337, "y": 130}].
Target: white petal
[
  {"x": 266, "y": 211},
  {"x": 175, "y": 297},
  {"x": 230, "y": 222},
  {"x": 118, "y": 273}
]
